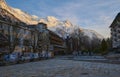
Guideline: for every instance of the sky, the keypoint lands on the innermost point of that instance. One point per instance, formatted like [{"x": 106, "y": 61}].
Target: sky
[{"x": 89, "y": 14}]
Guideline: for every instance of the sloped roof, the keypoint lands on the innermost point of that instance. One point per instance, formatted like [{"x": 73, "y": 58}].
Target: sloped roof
[{"x": 117, "y": 18}]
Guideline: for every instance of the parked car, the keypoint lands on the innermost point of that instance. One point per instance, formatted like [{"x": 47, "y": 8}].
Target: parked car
[
  {"x": 36, "y": 56},
  {"x": 50, "y": 54},
  {"x": 6, "y": 57},
  {"x": 40, "y": 56},
  {"x": 44, "y": 54},
  {"x": 31, "y": 56},
  {"x": 13, "y": 57},
  {"x": 26, "y": 57}
]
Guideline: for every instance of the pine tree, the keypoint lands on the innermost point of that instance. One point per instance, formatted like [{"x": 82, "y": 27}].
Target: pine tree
[{"x": 104, "y": 47}]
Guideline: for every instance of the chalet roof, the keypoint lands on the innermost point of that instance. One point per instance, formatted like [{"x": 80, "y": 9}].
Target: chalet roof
[{"x": 117, "y": 18}]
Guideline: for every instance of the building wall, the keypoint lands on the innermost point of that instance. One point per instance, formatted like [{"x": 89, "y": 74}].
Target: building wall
[
  {"x": 115, "y": 33},
  {"x": 57, "y": 44},
  {"x": 115, "y": 36},
  {"x": 18, "y": 35},
  {"x": 31, "y": 38}
]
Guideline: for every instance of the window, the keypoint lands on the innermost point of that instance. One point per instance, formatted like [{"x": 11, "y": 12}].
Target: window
[
  {"x": 118, "y": 31},
  {"x": 115, "y": 40},
  {"x": 1, "y": 27},
  {"x": 119, "y": 36}
]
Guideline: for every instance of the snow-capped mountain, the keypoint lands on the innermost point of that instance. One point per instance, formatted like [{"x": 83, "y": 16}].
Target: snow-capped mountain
[
  {"x": 62, "y": 28},
  {"x": 6, "y": 16},
  {"x": 22, "y": 16},
  {"x": 92, "y": 33}
]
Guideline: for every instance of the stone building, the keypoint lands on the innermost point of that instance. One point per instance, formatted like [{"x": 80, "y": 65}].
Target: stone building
[{"x": 115, "y": 33}]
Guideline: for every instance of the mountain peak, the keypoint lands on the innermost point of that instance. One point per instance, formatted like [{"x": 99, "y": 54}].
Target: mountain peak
[
  {"x": 3, "y": 4},
  {"x": 51, "y": 18},
  {"x": 68, "y": 23},
  {"x": 51, "y": 21},
  {"x": 2, "y": 1},
  {"x": 60, "y": 27},
  {"x": 22, "y": 16}
]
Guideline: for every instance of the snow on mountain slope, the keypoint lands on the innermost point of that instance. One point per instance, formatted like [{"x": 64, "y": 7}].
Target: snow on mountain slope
[
  {"x": 50, "y": 21},
  {"x": 62, "y": 28},
  {"x": 92, "y": 34},
  {"x": 24, "y": 17}
]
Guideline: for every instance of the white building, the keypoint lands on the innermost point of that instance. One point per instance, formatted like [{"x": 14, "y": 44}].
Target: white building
[{"x": 115, "y": 33}]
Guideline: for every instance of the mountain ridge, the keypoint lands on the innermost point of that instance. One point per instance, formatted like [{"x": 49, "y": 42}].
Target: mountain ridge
[
  {"x": 62, "y": 28},
  {"x": 68, "y": 28}
]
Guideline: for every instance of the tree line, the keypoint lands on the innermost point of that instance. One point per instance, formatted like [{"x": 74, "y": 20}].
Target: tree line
[{"x": 77, "y": 41}]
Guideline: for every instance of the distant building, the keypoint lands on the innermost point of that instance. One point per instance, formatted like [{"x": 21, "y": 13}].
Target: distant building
[
  {"x": 115, "y": 33},
  {"x": 47, "y": 40},
  {"x": 57, "y": 44}
]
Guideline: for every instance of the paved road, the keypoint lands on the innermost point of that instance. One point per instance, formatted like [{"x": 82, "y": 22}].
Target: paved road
[{"x": 61, "y": 68}]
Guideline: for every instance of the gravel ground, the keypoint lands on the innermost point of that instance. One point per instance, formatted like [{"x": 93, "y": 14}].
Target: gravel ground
[{"x": 61, "y": 68}]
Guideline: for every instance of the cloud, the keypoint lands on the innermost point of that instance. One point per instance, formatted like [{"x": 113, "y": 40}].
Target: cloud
[
  {"x": 100, "y": 24},
  {"x": 95, "y": 15}
]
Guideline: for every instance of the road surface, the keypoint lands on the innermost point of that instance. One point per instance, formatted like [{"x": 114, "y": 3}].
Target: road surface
[{"x": 61, "y": 68}]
